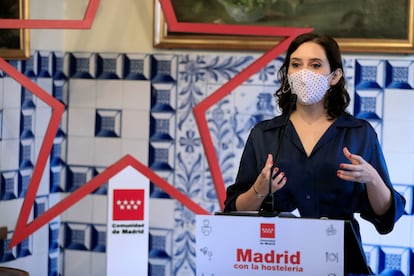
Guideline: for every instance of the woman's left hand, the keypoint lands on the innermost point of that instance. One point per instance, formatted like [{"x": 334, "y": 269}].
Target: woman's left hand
[
  {"x": 379, "y": 195},
  {"x": 358, "y": 171}
]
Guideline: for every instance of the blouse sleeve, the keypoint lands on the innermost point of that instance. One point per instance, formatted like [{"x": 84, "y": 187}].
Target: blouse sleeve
[
  {"x": 246, "y": 175},
  {"x": 385, "y": 223}
]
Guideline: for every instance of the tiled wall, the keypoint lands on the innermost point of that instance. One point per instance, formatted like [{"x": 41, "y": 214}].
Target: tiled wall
[{"x": 141, "y": 105}]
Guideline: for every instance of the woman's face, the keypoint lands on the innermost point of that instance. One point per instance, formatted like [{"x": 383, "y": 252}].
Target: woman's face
[{"x": 311, "y": 56}]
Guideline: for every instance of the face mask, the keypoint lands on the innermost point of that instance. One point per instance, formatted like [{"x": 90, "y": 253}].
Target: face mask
[{"x": 310, "y": 87}]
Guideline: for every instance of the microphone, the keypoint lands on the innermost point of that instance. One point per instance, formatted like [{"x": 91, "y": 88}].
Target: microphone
[{"x": 272, "y": 212}]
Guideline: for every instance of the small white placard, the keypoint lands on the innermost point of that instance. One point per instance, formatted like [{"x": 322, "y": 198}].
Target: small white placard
[{"x": 127, "y": 225}]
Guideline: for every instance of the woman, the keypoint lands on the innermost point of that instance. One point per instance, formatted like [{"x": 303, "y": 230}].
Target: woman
[{"x": 323, "y": 161}]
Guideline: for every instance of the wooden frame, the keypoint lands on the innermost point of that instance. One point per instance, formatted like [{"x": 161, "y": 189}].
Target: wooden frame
[
  {"x": 15, "y": 44},
  {"x": 164, "y": 39}
]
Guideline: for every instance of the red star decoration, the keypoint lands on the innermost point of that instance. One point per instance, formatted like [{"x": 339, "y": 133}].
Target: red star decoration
[{"x": 24, "y": 229}]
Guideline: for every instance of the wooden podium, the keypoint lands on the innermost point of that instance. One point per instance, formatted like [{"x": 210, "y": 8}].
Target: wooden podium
[{"x": 247, "y": 244}]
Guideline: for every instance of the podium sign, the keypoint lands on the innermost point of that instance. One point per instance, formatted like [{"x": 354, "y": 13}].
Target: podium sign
[
  {"x": 247, "y": 245},
  {"x": 127, "y": 225}
]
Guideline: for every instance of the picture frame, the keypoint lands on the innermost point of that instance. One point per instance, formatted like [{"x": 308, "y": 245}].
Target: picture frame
[
  {"x": 400, "y": 13},
  {"x": 14, "y": 43}
]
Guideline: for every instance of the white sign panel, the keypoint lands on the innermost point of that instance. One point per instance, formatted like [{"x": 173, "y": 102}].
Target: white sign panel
[
  {"x": 243, "y": 245},
  {"x": 127, "y": 224}
]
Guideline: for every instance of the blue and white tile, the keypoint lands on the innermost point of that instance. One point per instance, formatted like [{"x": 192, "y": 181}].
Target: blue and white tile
[
  {"x": 161, "y": 156},
  {"x": 136, "y": 66},
  {"x": 42, "y": 118},
  {"x": 368, "y": 232},
  {"x": 81, "y": 212},
  {"x": 77, "y": 262},
  {"x": 136, "y": 95},
  {"x": 163, "y": 97},
  {"x": 135, "y": 124},
  {"x": 99, "y": 209},
  {"x": 10, "y": 124},
  {"x": 401, "y": 74},
  {"x": 9, "y": 158},
  {"x": 372, "y": 253},
  {"x": 11, "y": 93},
  {"x": 12, "y": 208},
  {"x": 47, "y": 85},
  {"x": 370, "y": 73},
  {"x": 398, "y": 137},
  {"x": 397, "y": 259},
  {"x": 106, "y": 151},
  {"x": 400, "y": 166},
  {"x": 400, "y": 234},
  {"x": 87, "y": 126},
  {"x": 369, "y": 104},
  {"x": 109, "y": 94},
  {"x": 98, "y": 264},
  {"x": 268, "y": 75},
  {"x": 164, "y": 68},
  {"x": 398, "y": 104},
  {"x": 81, "y": 150},
  {"x": 81, "y": 65},
  {"x": 109, "y": 66},
  {"x": 61, "y": 90},
  {"x": 137, "y": 148},
  {"x": 82, "y": 93}
]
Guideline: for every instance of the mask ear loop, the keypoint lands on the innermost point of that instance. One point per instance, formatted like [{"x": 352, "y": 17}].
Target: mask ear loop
[
  {"x": 331, "y": 75},
  {"x": 286, "y": 86},
  {"x": 336, "y": 71}
]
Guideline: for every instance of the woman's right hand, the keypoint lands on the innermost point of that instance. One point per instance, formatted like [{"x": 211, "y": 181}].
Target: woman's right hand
[
  {"x": 253, "y": 198},
  {"x": 261, "y": 185}
]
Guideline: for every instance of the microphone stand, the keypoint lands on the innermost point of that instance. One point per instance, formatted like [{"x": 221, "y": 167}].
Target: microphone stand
[{"x": 272, "y": 212}]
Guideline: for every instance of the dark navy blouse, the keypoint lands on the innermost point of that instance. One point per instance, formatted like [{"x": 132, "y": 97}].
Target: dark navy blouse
[{"x": 312, "y": 184}]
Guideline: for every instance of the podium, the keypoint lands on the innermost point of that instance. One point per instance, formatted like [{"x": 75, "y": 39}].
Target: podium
[{"x": 247, "y": 244}]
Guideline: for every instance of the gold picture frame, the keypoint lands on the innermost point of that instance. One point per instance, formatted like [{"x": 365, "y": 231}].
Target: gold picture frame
[
  {"x": 164, "y": 39},
  {"x": 15, "y": 43}
]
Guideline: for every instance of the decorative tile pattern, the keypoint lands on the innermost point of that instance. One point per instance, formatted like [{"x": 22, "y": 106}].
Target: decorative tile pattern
[
  {"x": 25, "y": 175},
  {"x": 80, "y": 65},
  {"x": 78, "y": 236},
  {"x": 106, "y": 66},
  {"x": 397, "y": 260},
  {"x": 7, "y": 254},
  {"x": 160, "y": 243},
  {"x": 40, "y": 206},
  {"x": 27, "y": 154},
  {"x": 370, "y": 74},
  {"x": 53, "y": 263},
  {"x": 369, "y": 104},
  {"x": 108, "y": 123},
  {"x": 400, "y": 74},
  {"x": 25, "y": 248},
  {"x": 53, "y": 236},
  {"x": 58, "y": 174},
  {"x": 77, "y": 176},
  {"x": 9, "y": 183},
  {"x": 98, "y": 238},
  {"x": 27, "y": 123},
  {"x": 92, "y": 85}
]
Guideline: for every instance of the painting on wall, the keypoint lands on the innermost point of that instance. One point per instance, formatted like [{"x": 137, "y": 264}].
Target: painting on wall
[
  {"x": 371, "y": 26},
  {"x": 14, "y": 43}
]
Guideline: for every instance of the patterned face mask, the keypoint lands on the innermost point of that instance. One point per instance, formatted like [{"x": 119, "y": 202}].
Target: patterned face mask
[{"x": 310, "y": 87}]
